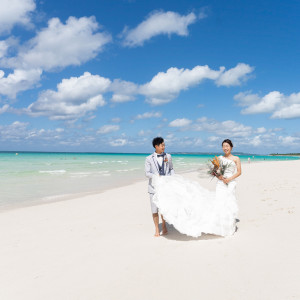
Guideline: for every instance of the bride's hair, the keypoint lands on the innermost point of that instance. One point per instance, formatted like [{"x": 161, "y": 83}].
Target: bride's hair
[{"x": 228, "y": 142}]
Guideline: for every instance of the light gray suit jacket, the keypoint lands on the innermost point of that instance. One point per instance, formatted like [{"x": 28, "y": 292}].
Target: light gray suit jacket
[{"x": 151, "y": 168}]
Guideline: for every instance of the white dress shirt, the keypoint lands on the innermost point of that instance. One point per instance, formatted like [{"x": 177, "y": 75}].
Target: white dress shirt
[{"x": 159, "y": 159}]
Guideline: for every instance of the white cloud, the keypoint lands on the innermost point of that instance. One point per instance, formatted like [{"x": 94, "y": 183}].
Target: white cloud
[
  {"x": 4, "y": 108},
  {"x": 243, "y": 135},
  {"x": 60, "y": 45},
  {"x": 266, "y": 105},
  {"x": 14, "y": 131},
  {"x": 224, "y": 129},
  {"x": 73, "y": 99},
  {"x": 180, "y": 123},
  {"x": 141, "y": 132},
  {"x": 124, "y": 91},
  {"x": 3, "y": 48},
  {"x": 15, "y": 12},
  {"x": 116, "y": 120},
  {"x": 19, "y": 80},
  {"x": 287, "y": 112},
  {"x": 21, "y": 133},
  {"x": 165, "y": 86},
  {"x": 255, "y": 141},
  {"x": 144, "y": 132},
  {"x": 235, "y": 76},
  {"x": 246, "y": 98},
  {"x": 213, "y": 138},
  {"x": 148, "y": 115},
  {"x": 280, "y": 106},
  {"x": 289, "y": 140},
  {"x": 261, "y": 130},
  {"x": 108, "y": 128},
  {"x": 118, "y": 142},
  {"x": 158, "y": 23},
  {"x": 5, "y": 45}
]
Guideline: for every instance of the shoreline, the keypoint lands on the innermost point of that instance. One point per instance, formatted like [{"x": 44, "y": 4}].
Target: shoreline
[
  {"x": 70, "y": 196},
  {"x": 77, "y": 195}
]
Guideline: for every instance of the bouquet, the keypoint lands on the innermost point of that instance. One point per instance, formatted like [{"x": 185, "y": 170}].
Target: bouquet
[{"x": 216, "y": 168}]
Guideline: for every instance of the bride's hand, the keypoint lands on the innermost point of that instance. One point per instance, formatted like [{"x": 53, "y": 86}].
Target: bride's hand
[{"x": 226, "y": 180}]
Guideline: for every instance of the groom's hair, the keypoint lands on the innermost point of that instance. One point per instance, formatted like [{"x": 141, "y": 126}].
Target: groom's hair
[{"x": 157, "y": 141}]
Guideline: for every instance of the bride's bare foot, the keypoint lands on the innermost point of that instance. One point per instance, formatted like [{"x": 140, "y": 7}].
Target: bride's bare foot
[{"x": 156, "y": 234}]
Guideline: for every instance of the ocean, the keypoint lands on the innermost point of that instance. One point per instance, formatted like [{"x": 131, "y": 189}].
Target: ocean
[{"x": 37, "y": 177}]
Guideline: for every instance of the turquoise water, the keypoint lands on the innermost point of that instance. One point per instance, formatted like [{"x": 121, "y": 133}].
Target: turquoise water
[{"x": 30, "y": 177}]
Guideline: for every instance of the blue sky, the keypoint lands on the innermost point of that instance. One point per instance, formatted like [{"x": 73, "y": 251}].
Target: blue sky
[{"x": 110, "y": 75}]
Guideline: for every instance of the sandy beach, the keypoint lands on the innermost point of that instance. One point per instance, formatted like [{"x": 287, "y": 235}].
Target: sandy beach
[{"x": 102, "y": 246}]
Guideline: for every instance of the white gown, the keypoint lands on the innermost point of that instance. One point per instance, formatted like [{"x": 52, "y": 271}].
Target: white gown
[{"x": 192, "y": 209}]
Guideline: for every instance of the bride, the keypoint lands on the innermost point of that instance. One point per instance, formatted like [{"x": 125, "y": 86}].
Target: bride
[{"x": 192, "y": 209}]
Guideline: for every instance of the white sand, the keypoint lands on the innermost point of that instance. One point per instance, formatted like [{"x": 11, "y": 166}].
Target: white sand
[{"x": 102, "y": 246}]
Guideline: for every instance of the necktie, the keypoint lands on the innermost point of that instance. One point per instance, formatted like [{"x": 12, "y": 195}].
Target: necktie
[{"x": 162, "y": 167}]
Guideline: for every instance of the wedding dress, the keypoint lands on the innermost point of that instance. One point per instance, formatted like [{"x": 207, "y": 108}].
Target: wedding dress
[{"x": 192, "y": 209}]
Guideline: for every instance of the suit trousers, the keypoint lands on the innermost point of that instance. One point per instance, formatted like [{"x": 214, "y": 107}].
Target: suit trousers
[{"x": 154, "y": 208}]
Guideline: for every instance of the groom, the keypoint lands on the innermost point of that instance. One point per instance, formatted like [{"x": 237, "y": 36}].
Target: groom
[{"x": 159, "y": 163}]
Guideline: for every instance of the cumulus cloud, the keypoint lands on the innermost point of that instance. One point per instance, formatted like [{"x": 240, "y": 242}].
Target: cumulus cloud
[
  {"x": 213, "y": 138},
  {"x": 15, "y": 12},
  {"x": 290, "y": 140},
  {"x": 158, "y": 23},
  {"x": 148, "y": 115},
  {"x": 234, "y": 129},
  {"x": 243, "y": 135},
  {"x": 118, "y": 142},
  {"x": 280, "y": 106},
  {"x": 124, "y": 91},
  {"x": 255, "y": 141},
  {"x": 5, "y": 45},
  {"x": 266, "y": 104},
  {"x": 21, "y": 133},
  {"x": 271, "y": 141},
  {"x": 235, "y": 76},
  {"x": 144, "y": 132},
  {"x": 108, "y": 128},
  {"x": 73, "y": 99},
  {"x": 19, "y": 80},
  {"x": 180, "y": 123},
  {"x": 3, "y": 48},
  {"x": 60, "y": 45},
  {"x": 228, "y": 128},
  {"x": 288, "y": 112},
  {"x": 165, "y": 86},
  {"x": 116, "y": 120},
  {"x": 261, "y": 130},
  {"x": 4, "y": 108},
  {"x": 13, "y": 132},
  {"x": 246, "y": 98},
  {"x": 245, "y": 138}
]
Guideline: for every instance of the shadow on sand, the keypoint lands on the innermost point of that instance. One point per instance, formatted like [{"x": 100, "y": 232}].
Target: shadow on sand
[{"x": 174, "y": 234}]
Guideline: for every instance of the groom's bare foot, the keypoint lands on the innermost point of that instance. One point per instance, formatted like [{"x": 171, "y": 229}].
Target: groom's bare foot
[{"x": 165, "y": 231}]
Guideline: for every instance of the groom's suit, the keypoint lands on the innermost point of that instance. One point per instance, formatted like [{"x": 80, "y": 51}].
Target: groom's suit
[{"x": 152, "y": 167}]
